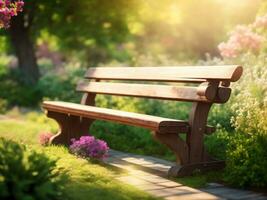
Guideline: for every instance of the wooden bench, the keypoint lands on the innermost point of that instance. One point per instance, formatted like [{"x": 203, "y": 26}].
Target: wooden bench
[{"x": 208, "y": 85}]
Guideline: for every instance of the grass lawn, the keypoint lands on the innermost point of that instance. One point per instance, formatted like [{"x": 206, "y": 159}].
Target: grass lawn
[{"x": 85, "y": 179}]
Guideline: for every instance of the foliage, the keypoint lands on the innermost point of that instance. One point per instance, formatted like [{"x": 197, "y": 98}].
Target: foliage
[
  {"x": 89, "y": 147},
  {"x": 9, "y": 9},
  {"x": 58, "y": 87},
  {"x": 246, "y": 160},
  {"x": 15, "y": 92},
  {"x": 44, "y": 138},
  {"x": 50, "y": 86},
  {"x": 246, "y": 152},
  {"x": 217, "y": 144},
  {"x": 250, "y": 100},
  {"x": 3, "y": 106},
  {"x": 26, "y": 174},
  {"x": 220, "y": 116}
]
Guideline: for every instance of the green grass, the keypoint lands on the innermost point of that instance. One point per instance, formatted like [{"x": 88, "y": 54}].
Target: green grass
[{"x": 85, "y": 179}]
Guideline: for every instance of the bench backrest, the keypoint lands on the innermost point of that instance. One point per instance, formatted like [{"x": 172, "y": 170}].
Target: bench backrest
[{"x": 210, "y": 83}]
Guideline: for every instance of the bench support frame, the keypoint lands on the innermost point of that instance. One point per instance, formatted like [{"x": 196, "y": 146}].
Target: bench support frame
[{"x": 72, "y": 127}]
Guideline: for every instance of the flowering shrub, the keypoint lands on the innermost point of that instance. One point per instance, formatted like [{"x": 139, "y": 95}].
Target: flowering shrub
[
  {"x": 250, "y": 101},
  {"x": 241, "y": 39},
  {"x": 245, "y": 38},
  {"x": 246, "y": 161},
  {"x": 44, "y": 138},
  {"x": 9, "y": 9},
  {"x": 88, "y": 146},
  {"x": 246, "y": 148}
]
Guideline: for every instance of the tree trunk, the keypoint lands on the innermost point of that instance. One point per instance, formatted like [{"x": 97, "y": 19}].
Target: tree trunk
[{"x": 24, "y": 49}]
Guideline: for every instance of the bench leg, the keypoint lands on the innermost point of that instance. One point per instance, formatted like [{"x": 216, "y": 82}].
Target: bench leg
[
  {"x": 70, "y": 127},
  {"x": 175, "y": 144},
  {"x": 183, "y": 166},
  {"x": 198, "y": 158}
]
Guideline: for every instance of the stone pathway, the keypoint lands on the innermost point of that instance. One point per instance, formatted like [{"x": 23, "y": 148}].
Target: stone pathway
[{"x": 149, "y": 174}]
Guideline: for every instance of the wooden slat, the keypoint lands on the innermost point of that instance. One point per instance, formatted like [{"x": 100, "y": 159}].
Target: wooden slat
[
  {"x": 167, "y": 92},
  {"x": 146, "y": 121},
  {"x": 173, "y": 74}
]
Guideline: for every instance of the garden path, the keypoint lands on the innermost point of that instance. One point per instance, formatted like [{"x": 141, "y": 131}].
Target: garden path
[{"x": 149, "y": 174}]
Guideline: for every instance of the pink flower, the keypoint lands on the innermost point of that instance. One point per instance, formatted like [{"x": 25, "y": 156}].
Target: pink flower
[
  {"x": 8, "y": 10},
  {"x": 241, "y": 39},
  {"x": 20, "y": 5},
  {"x": 7, "y": 2},
  {"x": 44, "y": 138}
]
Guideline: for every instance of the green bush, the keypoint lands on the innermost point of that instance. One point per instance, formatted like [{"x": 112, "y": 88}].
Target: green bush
[
  {"x": 247, "y": 153},
  {"x": 57, "y": 87},
  {"x": 220, "y": 116},
  {"x": 216, "y": 144},
  {"x": 26, "y": 174},
  {"x": 15, "y": 92},
  {"x": 246, "y": 160},
  {"x": 54, "y": 86}
]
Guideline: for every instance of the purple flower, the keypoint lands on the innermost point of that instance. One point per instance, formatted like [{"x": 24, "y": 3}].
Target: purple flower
[{"x": 89, "y": 146}]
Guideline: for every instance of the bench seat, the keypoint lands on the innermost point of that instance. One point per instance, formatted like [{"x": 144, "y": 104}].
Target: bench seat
[{"x": 160, "y": 124}]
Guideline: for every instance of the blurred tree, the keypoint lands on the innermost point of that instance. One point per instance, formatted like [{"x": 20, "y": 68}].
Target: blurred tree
[{"x": 78, "y": 23}]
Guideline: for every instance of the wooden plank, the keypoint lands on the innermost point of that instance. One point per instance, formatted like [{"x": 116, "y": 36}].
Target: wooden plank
[
  {"x": 146, "y": 121},
  {"x": 173, "y": 74},
  {"x": 166, "y": 92}
]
